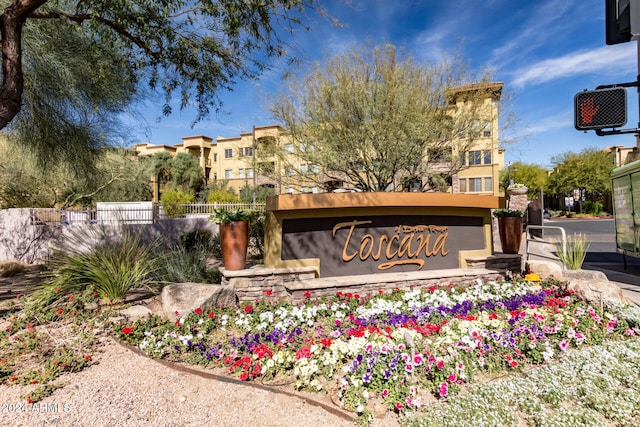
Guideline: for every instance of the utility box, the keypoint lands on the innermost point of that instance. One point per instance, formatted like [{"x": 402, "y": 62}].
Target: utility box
[{"x": 626, "y": 208}]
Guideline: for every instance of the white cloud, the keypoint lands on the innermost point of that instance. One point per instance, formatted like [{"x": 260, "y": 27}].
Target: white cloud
[{"x": 577, "y": 63}]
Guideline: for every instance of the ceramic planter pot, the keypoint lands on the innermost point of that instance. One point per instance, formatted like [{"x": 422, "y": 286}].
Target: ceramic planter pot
[
  {"x": 510, "y": 229},
  {"x": 234, "y": 239}
]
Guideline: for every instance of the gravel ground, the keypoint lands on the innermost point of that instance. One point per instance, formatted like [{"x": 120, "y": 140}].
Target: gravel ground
[{"x": 127, "y": 389}]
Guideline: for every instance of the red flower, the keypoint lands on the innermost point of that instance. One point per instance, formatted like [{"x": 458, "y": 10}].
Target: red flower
[
  {"x": 211, "y": 315},
  {"x": 59, "y": 311},
  {"x": 87, "y": 357},
  {"x": 198, "y": 311},
  {"x": 244, "y": 376},
  {"x": 380, "y": 291},
  {"x": 304, "y": 353},
  {"x": 127, "y": 331},
  {"x": 71, "y": 298},
  {"x": 268, "y": 292},
  {"x": 307, "y": 294},
  {"x": 248, "y": 308}
]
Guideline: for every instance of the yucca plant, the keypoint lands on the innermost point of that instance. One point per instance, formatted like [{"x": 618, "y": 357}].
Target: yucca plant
[
  {"x": 574, "y": 253},
  {"x": 111, "y": 267}
]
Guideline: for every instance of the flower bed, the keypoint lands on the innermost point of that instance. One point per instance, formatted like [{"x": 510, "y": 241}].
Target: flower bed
[{"x": 401, "y": 349}]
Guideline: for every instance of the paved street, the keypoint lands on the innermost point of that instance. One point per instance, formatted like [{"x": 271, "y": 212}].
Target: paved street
[{"x": 602, "y": 253}]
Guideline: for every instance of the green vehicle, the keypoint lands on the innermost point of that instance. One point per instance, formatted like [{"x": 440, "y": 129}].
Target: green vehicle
[{"x": 626, "y": 208}]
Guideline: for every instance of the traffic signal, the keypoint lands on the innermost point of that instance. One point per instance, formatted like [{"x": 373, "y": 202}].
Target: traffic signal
[
  {"x": 622, "y": 20},
  {"x": 600, "y": 109}
]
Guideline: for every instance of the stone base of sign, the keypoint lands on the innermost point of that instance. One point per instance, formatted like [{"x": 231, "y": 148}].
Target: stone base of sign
[{"x": 296, "y": 284}]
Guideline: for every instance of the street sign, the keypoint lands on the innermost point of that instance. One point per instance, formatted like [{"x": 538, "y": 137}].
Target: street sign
[{"x": 600, "y": 109}]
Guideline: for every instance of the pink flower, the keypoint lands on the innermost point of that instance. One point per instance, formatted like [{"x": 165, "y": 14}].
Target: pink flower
[
  {"x": 385, "y": 393},
  {"x": 452, "y": 378},
  {"x": 443, "y": 389},
  {"x": 417, "y": 359},
  {"x": 563, "y": 345},
  {"x": 399, "y": 406},
  {"x": 408, "y": 367}
]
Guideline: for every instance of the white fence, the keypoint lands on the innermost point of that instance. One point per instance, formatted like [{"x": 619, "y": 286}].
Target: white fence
[{"x": 133, "y": 212}]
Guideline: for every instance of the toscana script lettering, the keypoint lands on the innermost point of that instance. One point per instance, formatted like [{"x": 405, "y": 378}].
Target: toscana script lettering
[{"x": 403, "y": 247}]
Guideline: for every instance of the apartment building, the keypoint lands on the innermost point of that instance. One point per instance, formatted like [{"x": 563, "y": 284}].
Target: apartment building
[{"x": 250, "y": 158}]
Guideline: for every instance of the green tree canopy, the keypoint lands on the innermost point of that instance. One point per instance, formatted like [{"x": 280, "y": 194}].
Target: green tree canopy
[
  {"x": 181, "y": 172},
  {"x": 373, "y": 117},
  {"x": 118, "y": 177},
  {"x": 588, "y": 171},
  {"x": 70, "y": 66},
  {"x": 534, "y": 177}
]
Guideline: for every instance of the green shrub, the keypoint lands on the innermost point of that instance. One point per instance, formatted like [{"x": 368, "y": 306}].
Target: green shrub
[
  {"x": 221, "y": 196},
  {"x": 592, "y": 208},
  {"x": 256, "y": 233},
  {"x": 187, "y": 262},
  {"x": 172, "y": 199}
]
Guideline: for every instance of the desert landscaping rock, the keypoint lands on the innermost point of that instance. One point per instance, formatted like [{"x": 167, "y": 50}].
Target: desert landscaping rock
[
  {"x": 186, "y": 297},
  {"x": 594, "y": 287}
]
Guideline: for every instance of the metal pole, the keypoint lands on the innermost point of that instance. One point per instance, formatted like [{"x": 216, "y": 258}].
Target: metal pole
[{"x": 253, "y": 166}]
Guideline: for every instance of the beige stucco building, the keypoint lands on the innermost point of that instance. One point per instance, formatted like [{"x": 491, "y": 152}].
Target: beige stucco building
[{"x": 236, "y": 159}]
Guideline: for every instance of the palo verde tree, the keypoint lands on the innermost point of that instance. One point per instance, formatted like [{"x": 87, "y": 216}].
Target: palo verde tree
[
  {"x": 533, "y": 176},
  {"x": 588, "y": 172},
  {"x": 70, "y": 66},
  {"x": 374, "y": 119}
]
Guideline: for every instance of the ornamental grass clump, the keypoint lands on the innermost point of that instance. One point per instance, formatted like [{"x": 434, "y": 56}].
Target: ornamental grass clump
[
  {"x": 112, "y": 266},
  {"x": 573, "y": 254}
]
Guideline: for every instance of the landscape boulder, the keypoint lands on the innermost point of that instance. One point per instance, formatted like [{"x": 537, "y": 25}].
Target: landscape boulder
[
  {"x": 184, "y": 298},
  {"x": 594, "y": 287}
]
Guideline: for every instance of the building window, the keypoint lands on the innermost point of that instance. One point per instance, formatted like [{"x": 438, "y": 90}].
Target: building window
[
  {"x": 303, "y": 168},
  {"x": 248, "y": 151},
  {"x": 475, "y": 157},
  {"x": 228, "y": 153},
  {"x": 488, "y": 184},
  {"x": 288, "y": 190},
  {"x": 288, "y": 170},
  {"x": 486, "y": 128},
  {"x": 288, "y": 148},
  {"x": 314, "y": 190},
  {"x": 228, "y": 174},
  {"x": 241, "y": 173},
  {"x": 487, "y": 157},
  {"x": 313, "y": 168},
  {"x": 462, "y": 184},
  {"x": 215, "y": 157},
  {"x": 250, "y": 173},
  {"x": 475, "y": 185}
]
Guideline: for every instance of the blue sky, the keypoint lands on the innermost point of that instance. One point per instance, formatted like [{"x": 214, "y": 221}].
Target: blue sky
[{"x": 544, "y": 51}]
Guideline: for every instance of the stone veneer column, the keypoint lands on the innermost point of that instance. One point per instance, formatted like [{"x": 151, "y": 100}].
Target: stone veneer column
[{"x": 517, "y": 198}]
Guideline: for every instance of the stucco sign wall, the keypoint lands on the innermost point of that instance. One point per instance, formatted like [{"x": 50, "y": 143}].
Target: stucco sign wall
[{"x": 377, "y": 232}]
